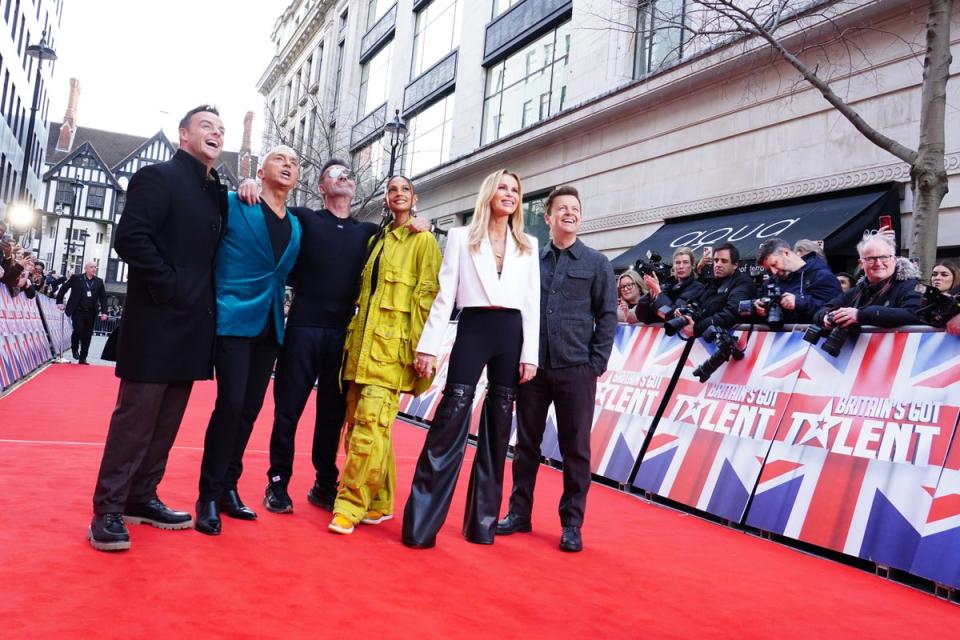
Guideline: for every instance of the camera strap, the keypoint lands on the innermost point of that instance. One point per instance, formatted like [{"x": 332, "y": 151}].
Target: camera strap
[{"x": 882, "y": 291}]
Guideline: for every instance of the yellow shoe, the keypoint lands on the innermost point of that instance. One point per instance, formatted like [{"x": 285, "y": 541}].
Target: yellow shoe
[
  {"x": 376, "y": 517},
  {"x": 340, "y": 524}
]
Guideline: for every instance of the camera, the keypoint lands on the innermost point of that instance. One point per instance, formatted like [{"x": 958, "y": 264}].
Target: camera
[
  {"x": 674, "y": 325},
  {"x": 937, "y": 307},
  {"x": 727, "y": 347},
  {"x": 653, "y": 266},
  {"x": 835, "y": 338},
  {"x": 770, "y": 300}
]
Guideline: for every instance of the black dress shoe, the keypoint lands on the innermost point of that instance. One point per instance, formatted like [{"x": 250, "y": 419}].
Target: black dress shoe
[
  {"x": 157, "y": 514},
  {"x": 512, "y": 523},
  {"x": 232, "y": 505},
  {"x": 108, "y": 533},
  {"x": 570, "y": 539},
  {"x": 83, "y": 361},
  {"x": 208, "y": 518}
]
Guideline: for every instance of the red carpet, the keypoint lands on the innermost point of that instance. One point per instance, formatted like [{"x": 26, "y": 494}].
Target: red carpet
[{"x": 646, "y": 571}]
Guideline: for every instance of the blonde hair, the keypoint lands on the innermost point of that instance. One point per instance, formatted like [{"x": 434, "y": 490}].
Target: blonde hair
[{"x": 481, "y": 213}]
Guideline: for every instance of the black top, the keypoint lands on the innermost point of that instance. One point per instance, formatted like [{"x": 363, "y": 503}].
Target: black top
[
  {"x": 578, "y": 307},
  {"x": 168, "y": 235},
  {"x": 327, "y": 272},
  {"x": 86, "y": 294},
  {"x": 279, "y": 230}
]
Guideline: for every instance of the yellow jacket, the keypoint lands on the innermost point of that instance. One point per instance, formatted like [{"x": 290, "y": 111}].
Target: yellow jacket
[{"x": 382, "y": 337}]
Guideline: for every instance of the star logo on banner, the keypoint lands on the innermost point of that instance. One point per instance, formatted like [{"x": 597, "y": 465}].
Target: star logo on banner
[
  {"x": 820, "y": 425},
  {"x": 695, "y": 406}
]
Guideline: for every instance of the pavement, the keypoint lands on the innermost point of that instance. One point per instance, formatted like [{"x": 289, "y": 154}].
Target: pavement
[{"x": 93, "y": 356}]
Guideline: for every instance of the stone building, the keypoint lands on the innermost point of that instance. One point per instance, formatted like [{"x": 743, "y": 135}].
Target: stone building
[{"x": 654, "y": 129}]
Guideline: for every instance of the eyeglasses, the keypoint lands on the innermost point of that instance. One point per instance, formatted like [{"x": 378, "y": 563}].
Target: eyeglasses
[
  {"x": 629, "y": 285},
  {"x": 340, "y": 172},
  {"x": 876, "y": 259}
]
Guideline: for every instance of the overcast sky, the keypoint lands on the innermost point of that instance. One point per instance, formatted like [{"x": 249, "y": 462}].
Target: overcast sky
[{"x": 136, "y": 59}]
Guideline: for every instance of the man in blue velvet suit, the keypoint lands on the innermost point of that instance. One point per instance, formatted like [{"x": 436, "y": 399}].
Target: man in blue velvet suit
[{"x": 258, "y": 250}]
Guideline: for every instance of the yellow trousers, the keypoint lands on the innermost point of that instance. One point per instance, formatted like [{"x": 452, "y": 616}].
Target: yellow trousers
[{"x": 369, "y": 474}]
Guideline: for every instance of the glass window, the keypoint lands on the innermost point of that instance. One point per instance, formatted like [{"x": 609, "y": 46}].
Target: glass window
[
  {"x": 501, "y": 6},
  {"x": 376, "y": 10},
  {"x": 375, "y": 80},
  {"x": 533, "y": 222},
  {"x": 659, "y": 31},
  {"x": 428, "y": 141},
  {"x": 95, "y": 197},
  {"x": 369, "y": 165},
  {"x": 527, "y": 87},
  {"x": 336, "y": 85},
  {"x": 437, "y": 34}
]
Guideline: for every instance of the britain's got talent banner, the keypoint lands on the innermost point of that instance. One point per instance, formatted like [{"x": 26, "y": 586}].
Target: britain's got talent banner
[
  {"x": 24, "y": 345},
  {"x": 708, "y": 448},
  {"x": 856, "y": 463},
  {"x": 59, "y": 325}
]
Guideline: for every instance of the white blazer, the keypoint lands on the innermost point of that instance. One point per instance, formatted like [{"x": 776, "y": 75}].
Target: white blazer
[{"x": 470, "y": 278}]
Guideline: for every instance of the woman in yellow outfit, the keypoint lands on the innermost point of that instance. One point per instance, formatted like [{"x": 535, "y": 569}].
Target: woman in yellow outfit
[{"x": 398, "y": 285}]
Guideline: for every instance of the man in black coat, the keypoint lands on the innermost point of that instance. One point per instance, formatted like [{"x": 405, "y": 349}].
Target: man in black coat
[
  {"x": 168, "y": 235},
  {"x": 87, "y": 293},
  {"x": 720, "y": 301}
]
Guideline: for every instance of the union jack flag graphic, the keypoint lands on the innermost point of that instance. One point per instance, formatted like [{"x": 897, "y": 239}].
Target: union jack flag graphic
[
  {"x": 859, "y": 452},
  {"x": 707, "y": 451}
]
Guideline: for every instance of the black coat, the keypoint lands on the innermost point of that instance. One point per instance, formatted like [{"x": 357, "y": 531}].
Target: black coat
[
  {"x": 168, "y": 235},
  {"x": 720, "y": 300},
  {"x": 895, "y": 307},
  {"x": 77, "y": 289}
]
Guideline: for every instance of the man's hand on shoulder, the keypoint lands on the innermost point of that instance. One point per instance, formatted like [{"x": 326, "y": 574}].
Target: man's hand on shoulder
[{"x": 248, "y": 192}]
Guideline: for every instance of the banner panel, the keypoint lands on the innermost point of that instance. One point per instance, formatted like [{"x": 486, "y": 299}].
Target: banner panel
[
  {"x": 59, "y": 326},
  {"x": 856, "y": 460},
  {"x": 708, "y": 449},
  {"x": 24, "y": 345}
]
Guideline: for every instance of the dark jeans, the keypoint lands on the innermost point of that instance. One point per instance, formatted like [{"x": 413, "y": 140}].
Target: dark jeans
[
  {"x": 572, "y": 390},
  {"x": 309, "y": 354},
  {"x": 142, "y": 430},
  {"x": 82, "y": 332},
  {"x": 243, "y": 367}
]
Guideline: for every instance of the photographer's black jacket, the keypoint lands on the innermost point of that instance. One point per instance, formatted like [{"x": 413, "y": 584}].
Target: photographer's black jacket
[
  {"x": 895, "y": 308},
  {"x": 720, "y": 300},
  {"x": 813, "y": 286},
  {"x": 670, "y": 293}
]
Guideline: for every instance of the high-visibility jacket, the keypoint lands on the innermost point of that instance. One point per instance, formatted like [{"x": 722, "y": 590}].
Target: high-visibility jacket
[{"x": 383, "y": 334}]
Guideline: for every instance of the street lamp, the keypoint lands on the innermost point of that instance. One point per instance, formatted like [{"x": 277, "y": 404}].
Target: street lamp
[
  {"x": 397, "y": 131},
  {"x": 41, "y": 52},
  {"x": 77, "y": 190}
]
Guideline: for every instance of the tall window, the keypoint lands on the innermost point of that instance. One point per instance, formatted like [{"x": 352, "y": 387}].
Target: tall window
[
  {"x": 376, "y": 10},
  {"x": 369, "y": 164},
  {"x": 527, "y": 87},
  {"x": 437, "y": 33},
  {"x": 659, "y": 35},
  {"x": 428, "y": 140},
  {"x": 336, "y": 85},
  {"x": 501, "y": 6},
  {"x": 375, "y": 80},
  {"x": 315, "y": 77},
  {"x": 95, "y": 197}
]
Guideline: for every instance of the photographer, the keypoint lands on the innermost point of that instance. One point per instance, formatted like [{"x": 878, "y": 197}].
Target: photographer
[
  {"x": 804, "y": 284},
  {"x": 664, "y": 298},
  {"x": 721, "y": 298},
  {"x": 886, "y": 296}
]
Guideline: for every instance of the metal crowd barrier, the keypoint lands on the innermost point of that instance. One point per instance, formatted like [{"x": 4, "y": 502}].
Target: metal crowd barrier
[{"x": 105, "y": 327}]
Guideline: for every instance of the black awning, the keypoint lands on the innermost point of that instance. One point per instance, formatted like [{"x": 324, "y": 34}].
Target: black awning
[{"x": 838, "y": 218}]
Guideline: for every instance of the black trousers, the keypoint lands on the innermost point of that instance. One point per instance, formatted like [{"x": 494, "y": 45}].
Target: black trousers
[
  {"x": 485, "y": 337},
  {"x": 572, "y": 390},
  {"x": 142, "y": 430},
  {"x": 243, "y": 367},
  {"x": 309, "y": 355},
  {"x": 82, "y": 332}
]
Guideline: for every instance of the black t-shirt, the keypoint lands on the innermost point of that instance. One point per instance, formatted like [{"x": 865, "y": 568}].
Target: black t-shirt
[
  {"x": 279, "y": 230},
  {"x": 325, "y": 278}
]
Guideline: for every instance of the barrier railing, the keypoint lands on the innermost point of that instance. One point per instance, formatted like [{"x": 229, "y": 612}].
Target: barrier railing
[
  {"x": 105, "y": 327},
  {"x": 854, "y": 453},
  {"x": 26, "y": 337}
]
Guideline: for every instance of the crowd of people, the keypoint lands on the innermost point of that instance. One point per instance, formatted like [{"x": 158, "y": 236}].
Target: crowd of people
[{"x": 207, "y": 294}]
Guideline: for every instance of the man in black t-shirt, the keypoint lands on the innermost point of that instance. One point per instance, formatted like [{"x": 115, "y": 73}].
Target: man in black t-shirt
[{"x": 325, "y": 281}]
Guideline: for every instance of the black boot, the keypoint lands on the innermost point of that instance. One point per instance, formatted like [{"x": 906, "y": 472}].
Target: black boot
[
  {"x": 438, "y": 467},
  {"x": 208, "y": 518},
  {"x": 486, "y": 478}
]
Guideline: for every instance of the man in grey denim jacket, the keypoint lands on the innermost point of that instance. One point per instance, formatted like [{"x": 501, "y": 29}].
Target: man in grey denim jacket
[{"x": 578, "y": 316}]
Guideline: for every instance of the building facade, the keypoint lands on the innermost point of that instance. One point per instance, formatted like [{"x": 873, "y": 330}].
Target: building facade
[
  {"x": 25, "y": 22},
  {"x": 86, "y": 178},
  {"x": 610, "y": 95}
]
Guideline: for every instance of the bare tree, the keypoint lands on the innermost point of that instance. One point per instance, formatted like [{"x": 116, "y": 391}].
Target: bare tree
[
  {"x": 707, "y": 24},
  {"x": 317, "y": 144}
]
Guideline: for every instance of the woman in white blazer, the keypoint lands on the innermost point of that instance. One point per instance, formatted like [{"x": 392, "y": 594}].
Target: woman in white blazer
[{"x": 492, "y": 272}]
